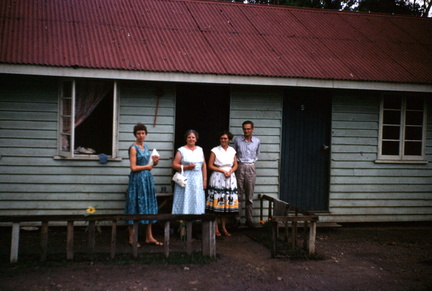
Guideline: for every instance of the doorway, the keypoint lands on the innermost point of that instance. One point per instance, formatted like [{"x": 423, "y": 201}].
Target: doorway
[
  {"x": 204, "y": 108},
  {"x": 305, "y": 167}
]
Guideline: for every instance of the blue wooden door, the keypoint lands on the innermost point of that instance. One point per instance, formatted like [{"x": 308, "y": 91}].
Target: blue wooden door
[{"x": 305, "y": 165}]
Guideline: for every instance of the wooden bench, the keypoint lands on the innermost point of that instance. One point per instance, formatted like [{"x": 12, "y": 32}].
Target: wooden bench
[
  {"x": 208, "y": 234},
  {"x": 282, "y": 212}
]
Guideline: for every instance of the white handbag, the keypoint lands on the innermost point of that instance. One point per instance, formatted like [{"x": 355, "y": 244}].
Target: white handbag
[{"x": 179, "y": 178}]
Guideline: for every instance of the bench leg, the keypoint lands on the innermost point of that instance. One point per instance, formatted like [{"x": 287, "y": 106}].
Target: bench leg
[
  {"x": 91, "y": 239},
  {"x": 208, "y": 239},
  {"x": 312, "y": 237},
  {"x": 135, "y": 239},
  {"x": 189, "y": 237},
  {"x": 44, "y": 240},
  {"x": 274, "y": 226},
  {"x": 166, "y": 238},
  {"x": 15, "y": 242},
  {"x": 113, "y": 239},
  {"x": 70, "y": 240}
]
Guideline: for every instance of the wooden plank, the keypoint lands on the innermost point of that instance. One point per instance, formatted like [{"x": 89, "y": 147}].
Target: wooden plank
[
  {"x": 212, "y": 236},
  {"x": 91, "y": 230},
  {"x": 113, "y": 239},
  {"x": 274, "y": 239},
  {"x": 135, "y": 239},
  {"x": 44, "y": 240},
  {"x": 208, "y": 239},
  {"x": 294, "y": 235},
  {"x": 70, "y": 240},
  {"x": 312, "y": 238},
  {"x": 110, "y": 217},
  {"x": 189, "y": 237},
  {"x": 305, "y": 235},
  {"x": 15, "y": 242},
  {"x": 166, "y": 239},
  {"x": 294, "y": 218}
]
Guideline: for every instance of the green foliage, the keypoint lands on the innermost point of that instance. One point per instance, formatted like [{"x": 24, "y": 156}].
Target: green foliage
[
  {"x": 390, "y": 6},
  {"x": 405, "y": 7}
]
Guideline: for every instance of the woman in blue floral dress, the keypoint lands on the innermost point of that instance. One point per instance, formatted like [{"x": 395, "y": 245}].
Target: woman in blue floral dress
[
  {"x": 191, "y": 198},
  {"x": 141, "y": 196}
]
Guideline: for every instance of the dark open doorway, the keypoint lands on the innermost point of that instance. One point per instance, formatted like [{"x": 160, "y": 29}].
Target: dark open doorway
[{"x": 204, "y": 108}]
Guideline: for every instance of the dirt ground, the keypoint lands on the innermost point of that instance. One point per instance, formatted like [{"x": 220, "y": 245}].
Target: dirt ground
[{"x": 350, "y": 257}]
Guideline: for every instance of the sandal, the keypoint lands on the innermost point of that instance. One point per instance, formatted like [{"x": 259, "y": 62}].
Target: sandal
[
  {"x": 226, "y": 233},
  {"x": 218, "y": 233}
]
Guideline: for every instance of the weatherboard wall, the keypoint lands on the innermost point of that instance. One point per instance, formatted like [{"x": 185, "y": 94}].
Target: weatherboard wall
[
  {"x": 32, "y": 182},
  {"x": 263, "y": 106},
  {"x": 362, "y": 190}
]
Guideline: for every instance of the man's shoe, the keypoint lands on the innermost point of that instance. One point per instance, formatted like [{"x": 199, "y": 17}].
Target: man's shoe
[{"x": 250, "y": 224}]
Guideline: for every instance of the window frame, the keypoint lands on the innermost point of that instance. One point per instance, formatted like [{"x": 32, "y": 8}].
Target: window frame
[
  {"x": 70, "y": 154},
  {"x": 401, "y": 158}
]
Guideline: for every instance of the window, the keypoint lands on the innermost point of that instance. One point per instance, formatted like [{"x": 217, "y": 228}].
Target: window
[
  {"x": 402, "y": 128},
  {"x": 87, "y": 119}
]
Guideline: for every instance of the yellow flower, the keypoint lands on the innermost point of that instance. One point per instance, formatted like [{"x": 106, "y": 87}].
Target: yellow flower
[
  {"x": 262, "y": 221},
  {"x": 91, "y": 210}
]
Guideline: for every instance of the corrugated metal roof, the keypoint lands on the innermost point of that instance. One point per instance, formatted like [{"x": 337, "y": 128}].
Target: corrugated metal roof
[{"x": 216, "y": 38}]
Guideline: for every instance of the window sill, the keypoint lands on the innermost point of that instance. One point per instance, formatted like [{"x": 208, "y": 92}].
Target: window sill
[
  {"x": 86, "y": 158},
  {"x": 417, "y": 162}
]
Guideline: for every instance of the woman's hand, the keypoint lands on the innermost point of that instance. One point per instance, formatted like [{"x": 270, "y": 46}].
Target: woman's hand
[
  {"x": 155, "y": 160},
  {"x": 190, "y": 167},
  {"x": 228, "y": 173}
]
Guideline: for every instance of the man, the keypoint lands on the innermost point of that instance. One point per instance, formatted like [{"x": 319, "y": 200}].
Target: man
[{"x": 248, "y": 150}]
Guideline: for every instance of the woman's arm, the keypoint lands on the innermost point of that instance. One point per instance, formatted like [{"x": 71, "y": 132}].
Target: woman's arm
[
  {"x": 204, "y": 174},
  {"x": 132, "y": 160},
  {"x": 176, "y": 162},
  {"x": 235, "y": 165}
]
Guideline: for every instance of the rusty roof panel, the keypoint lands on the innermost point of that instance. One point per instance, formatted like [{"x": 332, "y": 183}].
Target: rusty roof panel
[{"x": 216, "y": 38}]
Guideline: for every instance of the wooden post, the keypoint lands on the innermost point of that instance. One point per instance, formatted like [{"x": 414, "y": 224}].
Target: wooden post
[
  {"x": 15, "y": 242},
  {"x": 274, "y": 226},
  {"x": 113, "y": 239},
  {"x": 166, "y": 238},
  {"x": 305, "y": 235},
  {"x": 91, "y": 239},
  {"x": 312, "y": 235},
  {"x": 208, "y": 239},
  {"x": 44, "y": 240},
  {"x": 189, "y": 237},
  {"x": 286, "y": 236},
  {"x": 135, "y": 239},
  {"x": 261, "y": 207},
  {"x": 294, "y": 235},
  {"x": 270, "y": 205},
  {"x": 70, "y": 240}
]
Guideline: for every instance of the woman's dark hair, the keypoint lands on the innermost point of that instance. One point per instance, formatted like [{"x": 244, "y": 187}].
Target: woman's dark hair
[
  {"x": 189, "y": 131},
  {"x": 229, "y": 134},
  {"x": 138, "y": 127}
]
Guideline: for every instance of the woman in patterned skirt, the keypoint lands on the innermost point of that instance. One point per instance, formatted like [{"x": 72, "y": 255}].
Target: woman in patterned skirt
[{"x": 223, "y": 198}]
